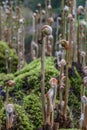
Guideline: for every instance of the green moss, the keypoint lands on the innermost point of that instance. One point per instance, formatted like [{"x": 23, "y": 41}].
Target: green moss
[
  {"x": 29, "y": 79},
  {"x": 22, "y": 119},
  {"x": 33, "y": 107},
  {"x": 31, "y": 74},
  {"x": 75, "y": 96},
  {"x": 11, "y": 53},
  {"x": 36, "y": 65},
  {"x": 2, "y": 119},
  {"x": 4, "y": 77},
  {"x": 1, "y": 103},
  {"x": 17, "y": 96}
]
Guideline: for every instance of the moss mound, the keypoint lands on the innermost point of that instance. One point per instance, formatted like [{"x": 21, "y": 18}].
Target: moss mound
[
  {"x": 12, "y": 58},
  {"x": 29, "y": 78},
  {"x": 4, "y": 77},
  {"x": 33, "y": 106},
  {"x": 27, "y": 92},
  {"x": 27, "y": 117},
  {"x": 21, "y": 120}
]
